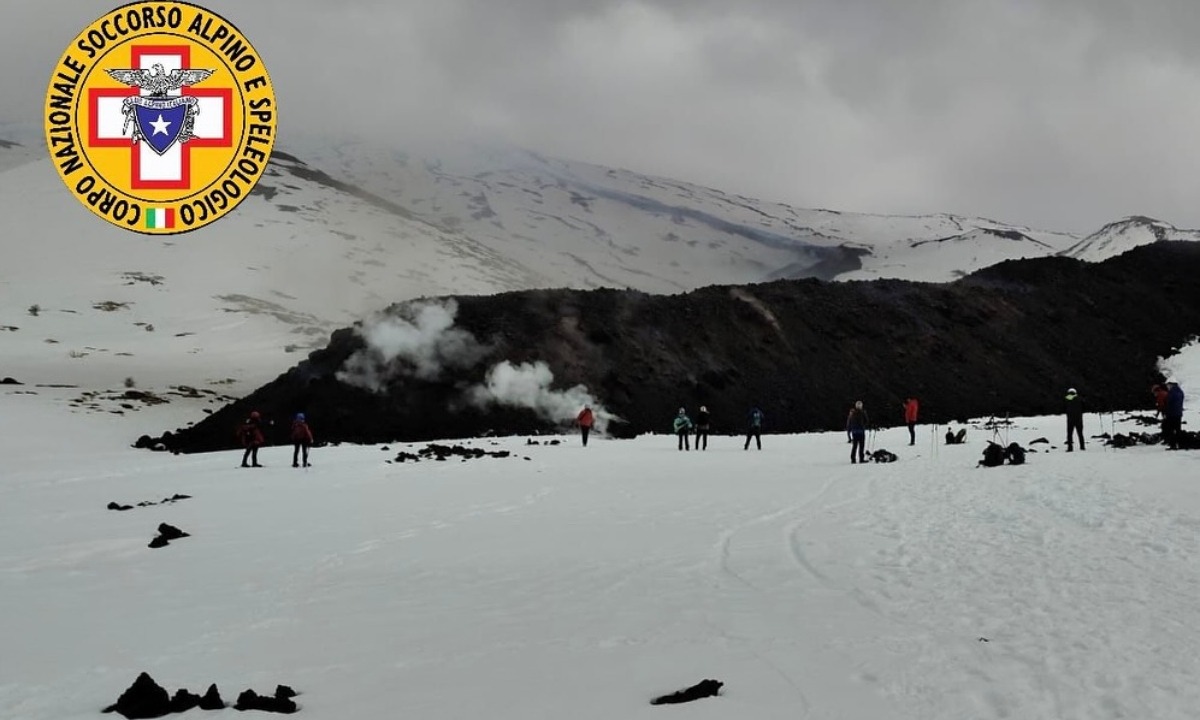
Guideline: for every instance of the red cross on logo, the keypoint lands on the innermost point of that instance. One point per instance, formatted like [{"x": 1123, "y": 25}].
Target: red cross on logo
[{"x": 171, "y": 170}]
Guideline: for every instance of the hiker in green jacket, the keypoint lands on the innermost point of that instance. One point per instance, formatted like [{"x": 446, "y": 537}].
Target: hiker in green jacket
[{"x": 683, "y": 425}]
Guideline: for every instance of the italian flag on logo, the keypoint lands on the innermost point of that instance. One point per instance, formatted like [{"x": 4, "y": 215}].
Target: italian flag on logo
[{"x": 160, "y": 218}]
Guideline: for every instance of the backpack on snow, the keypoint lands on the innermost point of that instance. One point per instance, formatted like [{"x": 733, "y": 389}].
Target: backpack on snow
[
  {"x": 1015, "y": 453},
  {"x": 993, "y": 455}
]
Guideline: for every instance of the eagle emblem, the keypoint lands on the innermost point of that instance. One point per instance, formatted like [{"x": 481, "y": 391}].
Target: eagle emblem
[{"x": 161, "y": 120}]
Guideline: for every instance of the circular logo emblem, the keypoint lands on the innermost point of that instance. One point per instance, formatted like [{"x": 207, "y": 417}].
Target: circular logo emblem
[{"x": 160, "y": 117}]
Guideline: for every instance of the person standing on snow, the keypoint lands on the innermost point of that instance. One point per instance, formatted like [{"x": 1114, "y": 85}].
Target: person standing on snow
[
  {"x": 702, "y": 428},
  {"x": 302, "y": 439},
  {"x": 683, "y": 425},
  {"x": 755, "y": 429},
  {"x": 585, "y": 420},
  {"x": 910, "y": 418},
  {"x": 1160, "y": 399},
  {"x": 856, "y": 424},
  {"x": 250, "y": 433},
  {"x": 1074, "y": 405},
  {"x": 1172, "y": 423}
]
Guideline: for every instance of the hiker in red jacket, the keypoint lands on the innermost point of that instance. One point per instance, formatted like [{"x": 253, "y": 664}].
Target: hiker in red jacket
[
  {"x": 585, "y": 420},
  {"x": 250, "y": 433},
  {"x": 1160, "y": 398},
  {"x": 910, "y": 418},
  {"x": 301, "y": 439}
]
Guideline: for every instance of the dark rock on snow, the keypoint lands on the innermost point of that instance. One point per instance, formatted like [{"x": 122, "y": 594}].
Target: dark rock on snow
[
  {"x": 441, "y": 452},
  {"x": 702, "y": 689},
  {"x": 146, "y": 503},
  {"x": 147, "y": 699},
  {"x": 281, "y": 703},
  {"x": 144, "y": 699},
  {"x": 167, "y": 533},
  {"x": 1008, "y": 339}
]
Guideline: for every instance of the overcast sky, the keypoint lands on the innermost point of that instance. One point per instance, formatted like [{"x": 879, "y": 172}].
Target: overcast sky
[{"x": 1060, "y": 114}]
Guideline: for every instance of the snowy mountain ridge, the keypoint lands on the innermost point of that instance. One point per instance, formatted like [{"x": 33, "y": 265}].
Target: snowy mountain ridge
[{"x": 337, "y": 230}]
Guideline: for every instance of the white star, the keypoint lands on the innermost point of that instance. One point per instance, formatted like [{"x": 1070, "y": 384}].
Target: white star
[{"x": 160, "y": 125}]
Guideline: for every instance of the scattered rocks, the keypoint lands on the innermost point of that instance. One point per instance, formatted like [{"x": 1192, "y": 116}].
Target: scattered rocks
[
  {"x": 441, "y": 452},
  {"x": 702, "y": 689},
  {"x": 147, "y": 699},
  {"x": 531, "y": 441},
  {"x": 165, "y": 501},
  {"x": 281, "y": 702},
  {"x": 167, "y": 533}
]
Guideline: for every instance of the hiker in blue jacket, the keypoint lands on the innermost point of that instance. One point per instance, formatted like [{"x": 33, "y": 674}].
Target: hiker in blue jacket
[
  {"x": 683, "y": 425},
  {"x": 755, "y": 429},
  {"x": 1172, "y": 423}
]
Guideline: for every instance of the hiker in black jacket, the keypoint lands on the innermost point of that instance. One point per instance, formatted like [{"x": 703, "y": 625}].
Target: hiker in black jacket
[
  {"x": 702, "y": 428},
  {"x": 1074, "y": 405},
  {"x": 857, "y": 424}
]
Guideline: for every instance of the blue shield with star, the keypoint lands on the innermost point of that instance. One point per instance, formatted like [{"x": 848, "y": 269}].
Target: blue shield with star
[{"x": 161, "y": 122}]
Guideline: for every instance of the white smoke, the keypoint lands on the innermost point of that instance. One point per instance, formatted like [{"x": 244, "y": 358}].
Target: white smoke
[
  {"x": 421, "y": 344},
  {"x": 527, "y": 385}
]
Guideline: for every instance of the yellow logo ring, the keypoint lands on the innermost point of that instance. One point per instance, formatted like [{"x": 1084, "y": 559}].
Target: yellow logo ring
[{"x": 160, "y": 117}]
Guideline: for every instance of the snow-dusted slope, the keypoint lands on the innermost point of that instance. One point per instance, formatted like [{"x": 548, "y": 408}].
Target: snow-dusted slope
[
  {"x": 637, "y": 230},
  {"x": 336, "y": 230},
  {"x": 1126, "y": 234}
]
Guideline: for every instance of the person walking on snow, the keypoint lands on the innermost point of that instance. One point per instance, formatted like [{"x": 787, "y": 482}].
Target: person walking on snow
[
  {"x": 585, "y": 420},
  {"x": 856, "y": 424},
  {"x": 1074, "y": 405},
  {"x": 910, "y": 418},
  {"x": 702, "y": 428},
  {"x": 755, "y": 429},
  {"x": 683, "y": 425},
  {"x": 1172, "y": 424},
  {"x": 250, "y": 433},
  {"x": 302, "y": 439}
]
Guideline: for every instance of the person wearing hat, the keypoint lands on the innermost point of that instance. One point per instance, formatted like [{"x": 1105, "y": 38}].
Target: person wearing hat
[
  {"x": 1074, "y": 418},
  {"x": 1172, "y": 423},
  {"x": 702, "y": 428},
  {"x": 682, "y": 425},
  {"x": 302, "y": 439},
  {"x": 252, "y": 439}
]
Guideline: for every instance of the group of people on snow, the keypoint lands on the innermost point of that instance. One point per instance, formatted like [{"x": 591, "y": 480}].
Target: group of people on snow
[
  {"x": 251, "y": 435},
  {"x": 683, "y": 426},
  {"x": 1168, "y": 401}
]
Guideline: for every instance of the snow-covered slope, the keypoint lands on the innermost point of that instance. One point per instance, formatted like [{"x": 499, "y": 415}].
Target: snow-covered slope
[
  {"x": 581, "y": 583},
  {"x": 1126, "y": 234},
  {"x": 644, "y": 231},
  {"x": 336, "y": 230}
]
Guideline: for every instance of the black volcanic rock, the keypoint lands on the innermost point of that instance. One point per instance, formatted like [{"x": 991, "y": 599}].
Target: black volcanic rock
[
  {"x": 144, "y": 699},
  {"x": 1009, "y": 339},
  {"x": 212, "y": 699},
  {"x": 702, "y": 689},
  {"x": 250, "y": 700},
  {"x": 167, "y": 533}
]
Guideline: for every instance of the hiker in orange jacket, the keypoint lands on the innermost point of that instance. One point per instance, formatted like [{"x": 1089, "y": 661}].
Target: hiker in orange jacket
[
  {"x": 585, "y": 420},
  {"x": 910, "y": 418}
]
